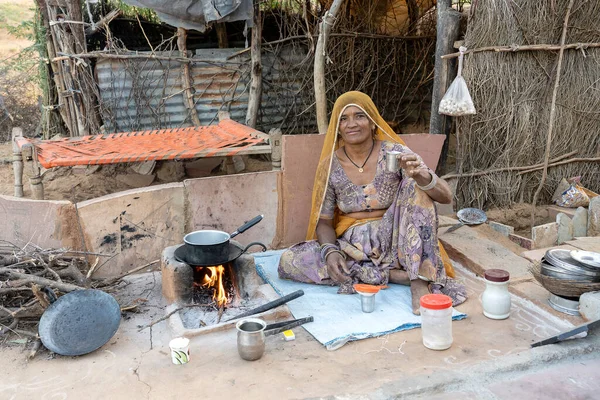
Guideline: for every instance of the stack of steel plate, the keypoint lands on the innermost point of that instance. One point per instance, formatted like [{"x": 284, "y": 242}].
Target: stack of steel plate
[{"x": 559, "y": 264}]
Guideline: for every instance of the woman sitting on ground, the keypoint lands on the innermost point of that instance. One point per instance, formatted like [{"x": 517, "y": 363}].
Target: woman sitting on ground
[{"x": 372, "y": 226}]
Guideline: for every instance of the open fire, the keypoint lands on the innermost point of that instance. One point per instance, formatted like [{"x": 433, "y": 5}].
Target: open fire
[{"x": 216, "y": 281}]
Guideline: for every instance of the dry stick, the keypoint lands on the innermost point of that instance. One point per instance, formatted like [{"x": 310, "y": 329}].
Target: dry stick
[
  {"x": 113, "y": 280},
  {"x": 491, "y": 171},
  {"x": 171, "y": 313},
  {"x": 136, "y": 57},
  {"x": 352, "y": 35},
  {"x": 570, "y": 160},
  {"x": 552, "y": 112},
  {"x": 64, "y": 287},
  {"x": 531, "y": 47},
  {"x": 34, "y": 349},
  {"x": 319, "y": 65}
]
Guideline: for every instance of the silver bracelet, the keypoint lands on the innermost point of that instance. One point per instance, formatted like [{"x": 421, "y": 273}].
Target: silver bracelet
[
  {"x": 430, "y": 185},
  {"x": 335, "y": 251}
]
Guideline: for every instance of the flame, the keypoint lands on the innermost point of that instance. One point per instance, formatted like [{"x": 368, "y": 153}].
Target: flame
[{"x": 215, "y": 280}]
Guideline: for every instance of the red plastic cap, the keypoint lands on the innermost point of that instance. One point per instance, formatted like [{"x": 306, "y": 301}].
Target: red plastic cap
[
  {"x": 496, "y": 275},
  {"x": 436, "y": 301}
]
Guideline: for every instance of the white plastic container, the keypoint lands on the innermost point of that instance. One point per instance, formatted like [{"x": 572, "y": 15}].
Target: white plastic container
[
  {"x": 496, "y": 298},
  {"x": 436, "y": 321}
]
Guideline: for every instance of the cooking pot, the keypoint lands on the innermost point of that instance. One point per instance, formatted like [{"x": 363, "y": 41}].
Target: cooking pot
[
  {"x": 79, "y": 322},
  {"x": 211, "y": 244}
]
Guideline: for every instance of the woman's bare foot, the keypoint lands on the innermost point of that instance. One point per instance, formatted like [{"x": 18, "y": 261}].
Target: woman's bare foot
[{"x": 418, "y": 288}]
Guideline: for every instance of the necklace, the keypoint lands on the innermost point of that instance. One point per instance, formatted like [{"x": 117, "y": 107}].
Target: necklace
[{"x": 360, "y": 169}]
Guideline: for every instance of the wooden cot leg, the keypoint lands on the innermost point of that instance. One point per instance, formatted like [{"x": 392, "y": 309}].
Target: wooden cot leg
[
  {"x": 276, "y": 148},
  {"x": 17, "y": 161},
  {"x": 32, "y": 170}
]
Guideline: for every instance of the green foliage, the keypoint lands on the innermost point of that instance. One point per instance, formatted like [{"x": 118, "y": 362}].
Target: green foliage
[{"x": 130, "y": 12}]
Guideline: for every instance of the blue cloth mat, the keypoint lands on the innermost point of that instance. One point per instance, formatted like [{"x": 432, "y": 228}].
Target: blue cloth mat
[{"x": 339, "y": 318}]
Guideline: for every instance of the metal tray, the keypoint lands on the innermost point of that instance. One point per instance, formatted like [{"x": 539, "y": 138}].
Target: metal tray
[
  {"x": 562, "y": 258},
  {"x": 564, "y": 305},
  {"x": 559, "y": 273},
  {"x": 587, "y": 258}
]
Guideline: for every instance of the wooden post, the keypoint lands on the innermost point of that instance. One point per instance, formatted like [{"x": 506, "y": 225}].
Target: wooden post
[
  {"x": 448, "y": 23},
  {"x": 222, "y": 35},
  {"x": 186, "y": 78},
  {"x": 17, "y": 162},
  {"x": 233, "y": 164},
  {"x": 276, "y": 148},
  {"x": 33, "y": 171},
  {"x": 256, "y": 69},
  {"x": 319, "y": 68}
]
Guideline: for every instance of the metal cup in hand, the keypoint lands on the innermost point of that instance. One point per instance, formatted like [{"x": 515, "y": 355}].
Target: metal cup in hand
[{"x": 392, "y": 160}]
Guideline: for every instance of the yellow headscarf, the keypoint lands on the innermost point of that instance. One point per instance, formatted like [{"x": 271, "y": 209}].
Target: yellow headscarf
[{"x": 383, "y": 132}]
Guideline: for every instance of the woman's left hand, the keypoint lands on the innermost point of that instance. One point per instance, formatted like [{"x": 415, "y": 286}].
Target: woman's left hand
[{"x": 415, "y": 168}]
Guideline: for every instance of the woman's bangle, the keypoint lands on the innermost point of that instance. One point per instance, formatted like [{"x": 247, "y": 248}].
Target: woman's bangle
[
  {"x": 335, "y": 251},
  {"x": 325, "y": 248},
  {"x": 430, "y": 185}
]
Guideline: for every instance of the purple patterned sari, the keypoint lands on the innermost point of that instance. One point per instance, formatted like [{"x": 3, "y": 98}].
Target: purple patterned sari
[{"x": 407, "y": 232}]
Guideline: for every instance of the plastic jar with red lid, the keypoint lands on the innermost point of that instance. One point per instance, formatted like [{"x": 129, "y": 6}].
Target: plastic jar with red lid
[{"x": 436, "y": 321}]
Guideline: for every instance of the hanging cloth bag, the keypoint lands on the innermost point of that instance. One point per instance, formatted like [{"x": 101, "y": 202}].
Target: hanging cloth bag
[{"x": 457, "y": 100}]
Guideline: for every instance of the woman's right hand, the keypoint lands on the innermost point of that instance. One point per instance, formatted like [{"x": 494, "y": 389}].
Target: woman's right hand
[{"x": 336, "y": 268}]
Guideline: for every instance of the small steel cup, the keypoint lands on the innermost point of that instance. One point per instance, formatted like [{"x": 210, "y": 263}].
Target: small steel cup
[
  {"x": 367, "y": 302},
  {"x": 392, "y": 161}
]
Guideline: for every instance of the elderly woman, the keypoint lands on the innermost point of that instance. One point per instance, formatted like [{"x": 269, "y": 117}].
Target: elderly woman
[{"x": 371, "y": 225}]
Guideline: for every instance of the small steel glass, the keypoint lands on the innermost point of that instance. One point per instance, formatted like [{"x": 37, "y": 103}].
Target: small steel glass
[
  {"x": 367, "y": 302},
  {"x": 392, "y": 160}
]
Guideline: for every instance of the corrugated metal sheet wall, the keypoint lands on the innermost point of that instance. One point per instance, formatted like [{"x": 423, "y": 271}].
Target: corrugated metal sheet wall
[{"x": 148, "y": 94}]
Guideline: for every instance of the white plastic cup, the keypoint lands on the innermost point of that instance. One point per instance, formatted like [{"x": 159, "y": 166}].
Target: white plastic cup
[{"x": 180, "y": 350}]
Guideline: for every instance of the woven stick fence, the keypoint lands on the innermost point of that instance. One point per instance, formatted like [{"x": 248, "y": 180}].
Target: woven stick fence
[
  {"x": 144, "y": 90},
  {"x": 518, "y": 107}
]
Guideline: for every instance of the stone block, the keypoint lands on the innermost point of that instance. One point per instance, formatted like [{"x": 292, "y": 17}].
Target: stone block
[
  {"x": 202, "y": 167},
  {"x": 505, "y": 230},
  {"x": 226, "y": 202},
  {"x": 477, "y": 252},
  {"x": 524, "y": 242},
  {"x": 133, "y": 226},
  {"x": 580, "y": 222},
  {"x": 545, "y": 235},
  {"x": 589, "y": 306},
  {"x": 553, "y": 211},
  {"x": 593, "y": 225},
  {"x": 537, "y": 254},
  {"x": 177, "y": 278},
  {"x": 565, "y": 228},
  {"x": 136, "y": 180}
]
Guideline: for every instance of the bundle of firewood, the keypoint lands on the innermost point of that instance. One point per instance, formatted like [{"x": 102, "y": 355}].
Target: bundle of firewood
[{"x": 27, "y": 274}]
